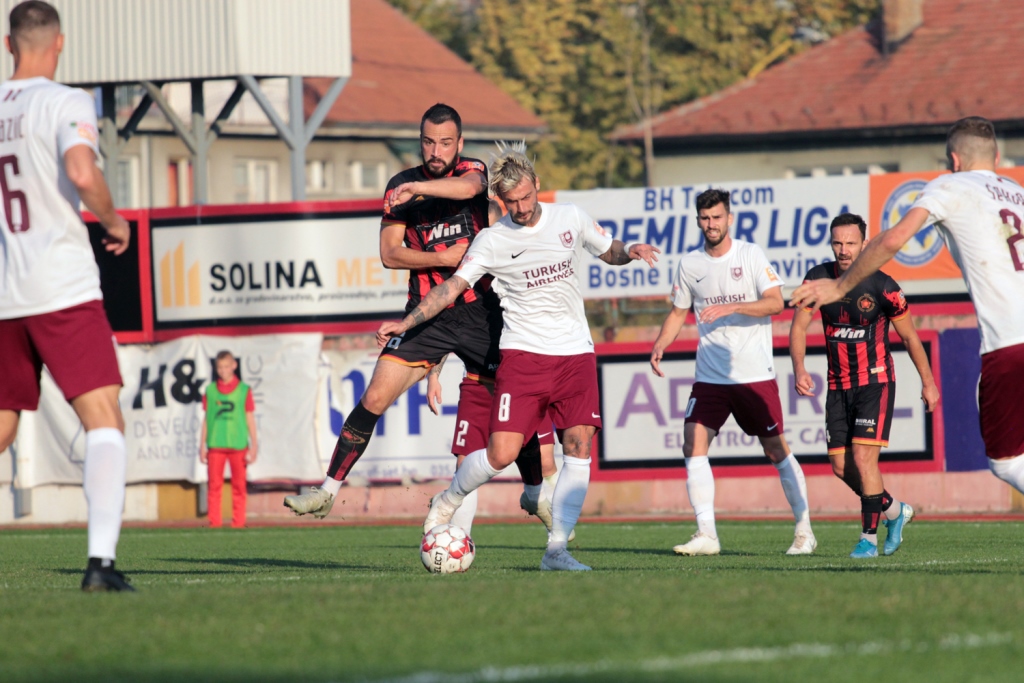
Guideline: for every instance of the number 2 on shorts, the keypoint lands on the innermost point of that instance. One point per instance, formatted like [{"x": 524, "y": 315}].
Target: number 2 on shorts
[
  {"x": 460, "y": 436},
  {"x": 504, "y": 404}
]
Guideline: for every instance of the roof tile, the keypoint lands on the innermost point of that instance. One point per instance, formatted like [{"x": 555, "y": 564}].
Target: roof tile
[{"x": 959, "y": 62}]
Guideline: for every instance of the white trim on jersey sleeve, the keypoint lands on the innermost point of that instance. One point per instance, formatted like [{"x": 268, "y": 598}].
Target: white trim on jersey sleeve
[
  {"x": 765, "y": 276},
  {"x": 477, "y": 260},
  {"x": 595, "y": 239},
  {"x": 682, "y": 296},
  {"x": 76, "y": 123}
]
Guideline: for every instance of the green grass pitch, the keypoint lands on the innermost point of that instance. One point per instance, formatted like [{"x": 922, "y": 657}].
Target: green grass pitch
[{"x": 310, "y": 603}]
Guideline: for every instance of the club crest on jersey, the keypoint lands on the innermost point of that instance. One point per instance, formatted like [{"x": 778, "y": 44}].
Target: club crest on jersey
[
  {"x": 566, "y": 238},
  {"x": 866, "y": 303},
  {"x": 737, "y": 273}
]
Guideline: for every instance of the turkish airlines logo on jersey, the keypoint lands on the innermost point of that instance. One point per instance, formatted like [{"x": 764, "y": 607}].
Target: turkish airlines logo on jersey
[
  {"x": 566, "y": 238},
  {"x": 178, "y": 288}
]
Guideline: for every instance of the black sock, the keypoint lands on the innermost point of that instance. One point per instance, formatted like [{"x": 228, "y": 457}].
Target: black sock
[
  {"x": 886, "y": 501},
  {"x": 100, "y": 563},
  {"x": 870, "y": 512},
  {"x": 354, "y": 438},
  {"x": 528, "y": 462}
]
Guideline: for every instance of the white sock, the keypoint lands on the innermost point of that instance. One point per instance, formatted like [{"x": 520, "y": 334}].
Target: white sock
[
  {"x": 332, "y": 486},
  {"x": 463, "y": 517},
  {"x": 532, "y": 493},
  {"x": 474, "y": 472},
  {"x": 567, "y": 501},
  {"x": 700, "y": 487},
  {"x": 795, "y": 487},
  {"x": 547, "y": 485},
  {"x": 871, "y": 538},
  {"x": 893, "y": 511},
  {"x": 1010, "y": 470},
  {"x": 106, "y": 461}
]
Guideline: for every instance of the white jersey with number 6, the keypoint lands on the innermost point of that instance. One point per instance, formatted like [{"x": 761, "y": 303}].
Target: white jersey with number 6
[
  {"x": 46, "y": 262},
  {"x": 536, "y": 276},
  {"x": 980, "y": 215}
]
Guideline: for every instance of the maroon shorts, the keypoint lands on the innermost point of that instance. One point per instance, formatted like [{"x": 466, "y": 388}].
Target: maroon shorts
[
  {"x": 529, "y": 386},
  {"x": 1002, "y": 421},
  {"x": 756, "y": 406},
  {"x": 75, "y": 344},
  {"x": 473, "y": 418}
]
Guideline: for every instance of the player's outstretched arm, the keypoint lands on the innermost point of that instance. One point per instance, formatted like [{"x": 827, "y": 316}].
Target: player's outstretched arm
[
  {"x": 878, "y": 252},
  {"x": 908, "y": 333},
  {"x": 459, "y": 188},
  {"x": 436, "y": 300},
  {"x": 669, "y": 331},
  {"x": 619, "y": 254},
  {"x": 395, "y": 255},
  {"x": 798, "y": 351},
  {"x": 86, "y": 176}
]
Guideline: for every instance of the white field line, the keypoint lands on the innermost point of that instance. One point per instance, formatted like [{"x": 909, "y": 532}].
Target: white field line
[{"x": 952, "y": 642}]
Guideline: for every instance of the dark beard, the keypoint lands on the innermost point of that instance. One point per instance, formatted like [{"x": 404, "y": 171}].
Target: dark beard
[{"x": 443, "y": 172}]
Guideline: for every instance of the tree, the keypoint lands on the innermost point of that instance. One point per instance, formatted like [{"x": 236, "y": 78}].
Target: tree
[{"x": 587, "y": 67}]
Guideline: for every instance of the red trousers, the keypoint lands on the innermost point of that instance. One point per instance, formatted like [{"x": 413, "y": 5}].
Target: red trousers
[{"x": 215, "y": 467}]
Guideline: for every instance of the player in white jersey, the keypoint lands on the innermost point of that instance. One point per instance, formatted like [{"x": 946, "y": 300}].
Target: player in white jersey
[
  {"x": 980, "y": 215},
  {"x": 51, "y": 310},
  {"x": 547, "y": 354},
  {"x": 734, "y": 291}
]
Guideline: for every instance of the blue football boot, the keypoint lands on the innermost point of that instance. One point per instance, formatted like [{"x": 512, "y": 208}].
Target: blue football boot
[
  {"x": 864, "y": 549},
  {"x": 895, "y": 526}
]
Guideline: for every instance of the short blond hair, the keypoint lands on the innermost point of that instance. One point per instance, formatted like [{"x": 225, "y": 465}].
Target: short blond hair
[{"x": 509, "y": 166}]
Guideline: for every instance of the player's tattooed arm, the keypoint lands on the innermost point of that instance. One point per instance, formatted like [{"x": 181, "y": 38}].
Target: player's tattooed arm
[
  {"x": 436, "y": 300},
  {"x": 619, "y": 254}
]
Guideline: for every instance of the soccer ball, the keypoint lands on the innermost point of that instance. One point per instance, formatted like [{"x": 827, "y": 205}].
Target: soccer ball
[{"x": 447, "y": 549}]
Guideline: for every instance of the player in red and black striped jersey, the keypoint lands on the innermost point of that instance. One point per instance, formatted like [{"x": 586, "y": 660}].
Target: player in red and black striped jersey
[
  {"x": 861, "y": 379},
  {"x": 431, "y": 214},
  {"x": 414, "y": 220}
]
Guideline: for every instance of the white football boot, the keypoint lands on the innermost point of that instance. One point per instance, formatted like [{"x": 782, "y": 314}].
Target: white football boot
[
  {"x": 316, "y": 501},
  {"x": 440, "y": 512},
  {"x": 561, "y": 561},
  {"x": 804, "y": 543},
  {"x": 699, "y": 544}
]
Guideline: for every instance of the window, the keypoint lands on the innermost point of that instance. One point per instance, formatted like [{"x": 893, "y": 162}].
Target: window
[
  {"x": 840, "y": 170},
  {"x": 369, "y": 176},
  {"x": 126, "y": 189},
  {"x": 319, "y": 176},
  {"x": 254, "y": 181}
]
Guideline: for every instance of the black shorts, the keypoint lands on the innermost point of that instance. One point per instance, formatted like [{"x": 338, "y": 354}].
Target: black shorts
[
  {"x": 860, "y": 415},
  {"x": 471, "y": 331}
]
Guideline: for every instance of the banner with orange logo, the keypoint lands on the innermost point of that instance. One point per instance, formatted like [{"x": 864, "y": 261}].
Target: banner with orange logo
[{"x": 924, "y": 264}]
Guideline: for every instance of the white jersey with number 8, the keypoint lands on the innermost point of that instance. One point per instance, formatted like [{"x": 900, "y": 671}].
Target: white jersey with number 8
[
  {"x": 46, "y": 262},
  {"x": 981, "y": 217}
]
